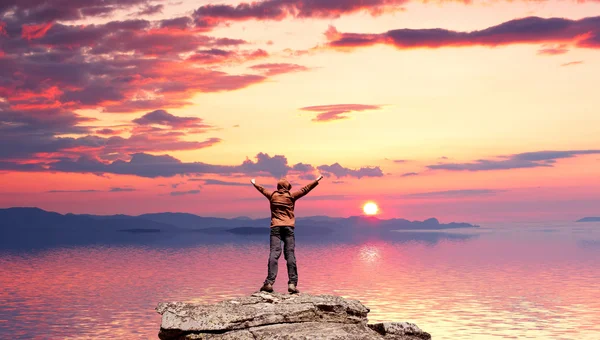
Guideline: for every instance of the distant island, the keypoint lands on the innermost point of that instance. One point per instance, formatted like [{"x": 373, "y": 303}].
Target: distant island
[
  {"x": 589, "y": 219},
  {"x": 33, "y": 227}
]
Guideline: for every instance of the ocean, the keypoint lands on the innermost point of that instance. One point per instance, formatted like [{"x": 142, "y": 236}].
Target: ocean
[{"x": 499, "y": 281}]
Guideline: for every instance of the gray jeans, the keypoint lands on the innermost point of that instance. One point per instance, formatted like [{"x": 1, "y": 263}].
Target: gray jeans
[{"x": 285, "y": 234}]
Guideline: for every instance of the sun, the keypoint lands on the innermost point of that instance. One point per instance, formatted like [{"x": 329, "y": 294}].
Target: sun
[{"x": 370, "y": 208}]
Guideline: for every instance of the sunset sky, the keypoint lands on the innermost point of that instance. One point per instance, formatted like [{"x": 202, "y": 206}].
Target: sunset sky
[{"x": 461, "y": 110}]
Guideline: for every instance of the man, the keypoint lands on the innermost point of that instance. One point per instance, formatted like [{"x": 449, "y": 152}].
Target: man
[{"x": 282, "y": 229}]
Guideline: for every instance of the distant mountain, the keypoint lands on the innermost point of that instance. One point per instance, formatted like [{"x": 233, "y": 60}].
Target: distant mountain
[
  {"x": 191, "y": 221},
  {"x": 38, "y": 219},
  {"x": 589, "y": 219},
  {"x": 34, "y": 227},
  {"x": 32, "y": 219}
]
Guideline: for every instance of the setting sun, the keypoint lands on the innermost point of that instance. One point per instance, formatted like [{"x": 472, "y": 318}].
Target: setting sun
[{"x": 370, "y": 208}]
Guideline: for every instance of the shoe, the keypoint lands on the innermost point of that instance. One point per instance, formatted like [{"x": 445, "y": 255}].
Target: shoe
[
  {"x": 292, "y": 289},
  {"x": 267, "y": 287}
]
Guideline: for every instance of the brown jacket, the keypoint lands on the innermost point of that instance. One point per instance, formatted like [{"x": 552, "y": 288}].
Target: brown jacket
[{"x": 282, "y": 202}]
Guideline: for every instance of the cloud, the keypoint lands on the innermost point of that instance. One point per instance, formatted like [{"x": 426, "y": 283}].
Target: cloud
[
  {"x": 553, "y": 49},
  {"x": 584, "y": 33},
  {"x": 454, "y": 193},
  {"x": 40, "y": 11},
  {"x": 408, "y": 174},
  {"x": 35, "y": 31},
  {"x": 516, "y": 161},
  {"x": 115, "y": 189},
  {"x": 339, "y": 171},
  {"x": 218, "y": 182},
  {"x": 175, "y": 185},
  {"x": 71, "y": 191},
  {"x": 400, "y": 160},
  {"x": 221, "y": 56},
  {"x": 303, "y": 167},
  {"x": 211, "y": 15},
  {"x": 162, "y": 117},
  {"x": 272, "y": 69},
  {"x": 150, "y": 9},
  {"x": 32, "y": 136},
  {"x": 572, "y": 63},
  {"x": 181, "y": 193},
  {"x": 328, "y": 113},
  {"x": 119, "y": 66},
  {"x": 152, "y": 166}
]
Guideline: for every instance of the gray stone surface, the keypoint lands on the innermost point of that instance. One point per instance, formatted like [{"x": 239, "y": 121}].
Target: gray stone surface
[
  {"x": 399, "y": 330},
  {"x": 277, "y": 316}
]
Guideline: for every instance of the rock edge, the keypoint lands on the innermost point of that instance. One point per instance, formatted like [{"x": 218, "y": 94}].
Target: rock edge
[{"x": 277, "y": 316}]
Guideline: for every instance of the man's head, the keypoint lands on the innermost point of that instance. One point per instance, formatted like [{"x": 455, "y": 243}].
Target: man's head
[{"x": 283, "y": 184}]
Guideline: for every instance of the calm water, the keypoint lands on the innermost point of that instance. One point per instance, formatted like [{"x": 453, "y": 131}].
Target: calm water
[{"x": 538, "y": 281}]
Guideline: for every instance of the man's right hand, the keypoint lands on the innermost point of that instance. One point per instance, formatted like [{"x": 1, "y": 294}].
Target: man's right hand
[
  {"x": 320, "y": 177},
  {"x": 253, "y": 181}
]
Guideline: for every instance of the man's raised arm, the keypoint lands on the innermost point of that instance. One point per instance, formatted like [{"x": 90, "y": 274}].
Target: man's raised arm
[
  {"x": 300, "y": 193},
  {"x": 265, "y": 192}
]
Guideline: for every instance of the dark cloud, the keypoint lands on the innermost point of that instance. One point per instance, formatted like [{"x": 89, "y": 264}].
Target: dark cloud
[
  {"x": 400, "y": 160},
  {"x": 181, "y": 193},
  {"x": 115, "y": 189},
  {"x": 32, "y": 136},
  {"x": 211, "y": 15},
  {"x": 147, "y": 165},
  {"x": 175, "y": 185},
  {"x": 272, "y": 69},
  {"x": 581, "y": 33},
  {"x": 108, "y": 132},
  {"x": 454, "y": 193},
  {"x": 218, "y": 182},
  {"x": 328, "y": 113},
  {"x": 72, "y": 191},
  {"x": 516, "y": 161},
  {"x": 303, "y": 167},
  {"x": 120, "y": 66},
  {"x": 220, "y": 56},
  {"x": 151, "y": 9},
  {"x": 41, "y": 11},
  {"x": 408, "y": 174},
  {"x": 162, "y": 117},
  {"x": 339, "y": 171}
]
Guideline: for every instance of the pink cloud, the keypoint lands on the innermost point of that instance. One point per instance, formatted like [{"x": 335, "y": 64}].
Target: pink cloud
[
  {"x": 336, "y": 112},
  {"x": 571, "y": 63},
  {"x": 554, "y": 50},
  {"x": 31, "y": 32},
  {"x": 271, "y": 69}
]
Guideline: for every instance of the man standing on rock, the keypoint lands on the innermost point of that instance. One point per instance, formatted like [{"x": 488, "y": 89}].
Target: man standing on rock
[{"x": 282, "y": 229}]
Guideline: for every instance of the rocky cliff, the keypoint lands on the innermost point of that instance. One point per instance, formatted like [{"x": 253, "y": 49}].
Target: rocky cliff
[{"x": 277, "y": 316}]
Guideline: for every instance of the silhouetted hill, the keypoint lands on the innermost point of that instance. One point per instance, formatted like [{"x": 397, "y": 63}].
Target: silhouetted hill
[
  {"x": 32, "y": 219},
  {"x": 34, "y": 227},
  {"x": 589, "y": 219},
  {"x": 191, "y": 221}
]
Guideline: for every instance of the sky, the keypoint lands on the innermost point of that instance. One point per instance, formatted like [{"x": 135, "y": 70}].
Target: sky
[{"x": 467, "y": 111}]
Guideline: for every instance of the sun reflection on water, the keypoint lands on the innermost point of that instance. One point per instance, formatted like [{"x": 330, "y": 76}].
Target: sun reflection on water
[{"x": 491, "y": 287}]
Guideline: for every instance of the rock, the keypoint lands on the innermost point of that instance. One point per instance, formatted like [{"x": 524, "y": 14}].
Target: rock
[
  {"x": 399, "y": 330},
  {"x": 277, "y": 316}
]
